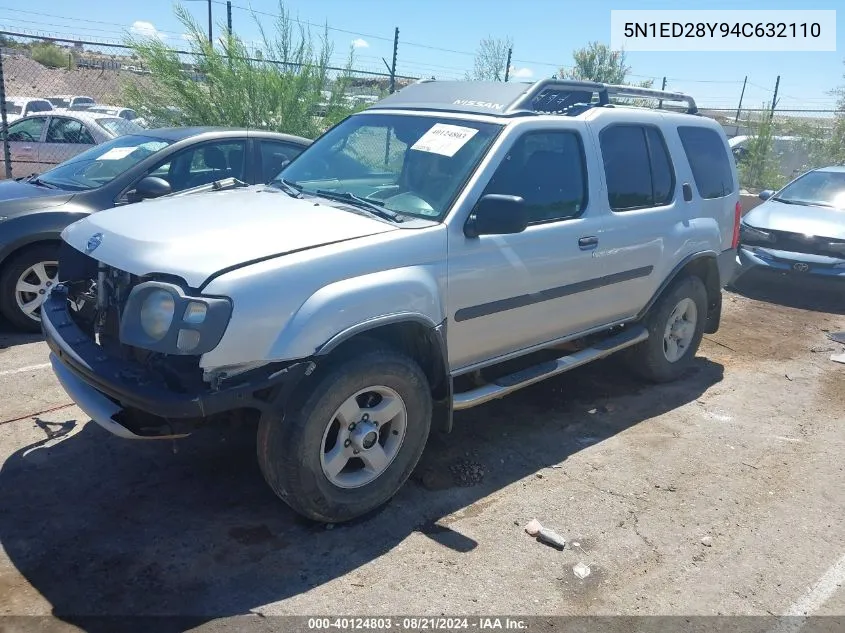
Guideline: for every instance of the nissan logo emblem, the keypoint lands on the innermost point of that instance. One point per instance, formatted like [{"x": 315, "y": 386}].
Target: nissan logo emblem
[
  {"x": 801, "y": 267},
  {"x": 93, "y": 242}
]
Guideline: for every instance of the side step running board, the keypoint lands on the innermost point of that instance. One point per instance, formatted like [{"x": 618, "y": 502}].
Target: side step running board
[{"x": 510, "y": 383}]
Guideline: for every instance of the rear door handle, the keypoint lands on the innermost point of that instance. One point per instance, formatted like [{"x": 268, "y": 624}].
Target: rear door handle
[{"x": 586, "y": 243}]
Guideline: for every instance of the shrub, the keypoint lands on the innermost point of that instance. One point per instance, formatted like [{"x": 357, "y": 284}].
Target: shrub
[
  {"x": 50, "y": 56},
  {"x": 225, "y": 85}
]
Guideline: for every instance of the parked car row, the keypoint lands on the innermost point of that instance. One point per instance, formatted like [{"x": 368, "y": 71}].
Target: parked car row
[{"x": 19, "y": 107}]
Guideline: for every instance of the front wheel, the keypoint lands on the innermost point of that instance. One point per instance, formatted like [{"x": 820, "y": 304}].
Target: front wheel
[
  {"x": 675, "y": 327},
  {"x": 351, "y": 438},
  {"x": 25, "y": 282}
]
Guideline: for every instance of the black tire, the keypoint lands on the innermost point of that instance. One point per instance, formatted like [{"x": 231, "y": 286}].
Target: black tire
[
  {"x": 11, "y": 272},
  {"x": 648, "y": 359},
  {"x": 289, "y": 445}
]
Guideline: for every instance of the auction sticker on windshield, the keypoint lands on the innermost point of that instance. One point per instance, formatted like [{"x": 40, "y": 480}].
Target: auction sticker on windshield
[
  {"x": 116, "y": 153},
  {"x": 444, "y": 139}
]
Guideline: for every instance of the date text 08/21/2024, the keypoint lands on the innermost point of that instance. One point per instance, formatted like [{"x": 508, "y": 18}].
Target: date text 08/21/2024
[{"x": 417, "y": 623}]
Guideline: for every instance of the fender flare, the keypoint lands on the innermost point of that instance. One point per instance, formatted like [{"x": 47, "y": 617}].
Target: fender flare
[
  {"x": 442, "y": 413},
  {"x": 714, "y": 310}
]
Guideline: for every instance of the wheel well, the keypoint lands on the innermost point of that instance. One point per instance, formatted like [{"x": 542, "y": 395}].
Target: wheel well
[
  {"x": 707, "y": 269},
  {"x": 25, "y": 247},
  {"x": 412, "y": 338}
]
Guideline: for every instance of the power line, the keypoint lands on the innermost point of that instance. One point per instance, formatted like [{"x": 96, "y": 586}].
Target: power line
[{"x": 322, "y": 26}]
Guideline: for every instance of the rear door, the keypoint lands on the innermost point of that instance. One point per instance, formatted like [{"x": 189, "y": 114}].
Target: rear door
[
  {"x": 647, "y": 216},
  {"x": 65, "y": 139}
]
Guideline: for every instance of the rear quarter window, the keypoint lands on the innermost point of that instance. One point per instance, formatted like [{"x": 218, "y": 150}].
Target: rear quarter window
[{"x": 708, "y": 160}]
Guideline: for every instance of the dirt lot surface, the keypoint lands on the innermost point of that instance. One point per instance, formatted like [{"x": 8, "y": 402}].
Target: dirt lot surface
[{"x": 718, "y": 494}]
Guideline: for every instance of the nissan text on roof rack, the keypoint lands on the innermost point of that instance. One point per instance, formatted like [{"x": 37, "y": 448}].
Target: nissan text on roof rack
[{"x": 382, "y": 280}]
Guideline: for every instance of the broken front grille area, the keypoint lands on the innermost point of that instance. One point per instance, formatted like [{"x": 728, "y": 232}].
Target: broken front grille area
[
  {"x": 96, "y": 297},
  {"x": 797, "y": 243}
]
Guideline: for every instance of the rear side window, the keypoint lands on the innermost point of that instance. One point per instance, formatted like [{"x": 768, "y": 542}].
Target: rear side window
[
  {"x": 637, "y": 167},
  {"x": 708, "y": 160}
]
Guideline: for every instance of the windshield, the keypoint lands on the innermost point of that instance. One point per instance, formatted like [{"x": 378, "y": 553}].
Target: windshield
[
  {"x": 83, "y": 101},
  {"x": 413, "y": 165},
  {"x": 101, "y": 164},
  {"x": 823, "y": 188},
  {"x": 59, "y": 102},
  {"x": 118, "y": 126},
  {"x": 12, "y": 108}
]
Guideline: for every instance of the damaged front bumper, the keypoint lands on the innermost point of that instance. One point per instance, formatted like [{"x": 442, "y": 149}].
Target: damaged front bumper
[
  {"x": 769, "y": 259},
  {"x": 109, "y": 389}
]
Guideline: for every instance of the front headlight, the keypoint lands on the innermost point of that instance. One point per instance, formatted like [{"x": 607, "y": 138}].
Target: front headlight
[
  {"x": 161, "y": 317},
  {"x": 157, "y": 312},
  {"x": 752, "y": 234}
]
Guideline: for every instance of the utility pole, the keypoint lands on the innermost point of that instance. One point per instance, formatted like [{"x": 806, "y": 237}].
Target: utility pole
[
  {"x": 209, "y": 23},
  {"x": 741, "y": 95},
  {"x": 508, "y": 65},
  {"x": 775, "y": 98},
  {"x": 229, "y": 16},
  {"x": 663, "y": 87}
]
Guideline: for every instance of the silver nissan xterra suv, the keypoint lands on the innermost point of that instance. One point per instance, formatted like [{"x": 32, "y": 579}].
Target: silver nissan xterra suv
[{"x": 381, "y": 281}]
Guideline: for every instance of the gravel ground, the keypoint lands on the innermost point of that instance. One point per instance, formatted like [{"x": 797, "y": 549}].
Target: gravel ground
[{"x": 717, "y": 494}]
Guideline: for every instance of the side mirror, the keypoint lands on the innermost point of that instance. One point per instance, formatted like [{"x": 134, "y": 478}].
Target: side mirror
[
  {"x": 497, "y": 214},
  {"x": 150, "y": 187},
  {"x": 766, "y": 194}
]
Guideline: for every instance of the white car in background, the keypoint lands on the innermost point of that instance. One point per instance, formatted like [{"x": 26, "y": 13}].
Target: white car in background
[
  {"x": 71, "y": 102},
  {"x": 19, "y": 107},
  {"x": 40, "y": 141},
  {"x": 124, "y": 113},
  {"x": 789, "y": 151}
]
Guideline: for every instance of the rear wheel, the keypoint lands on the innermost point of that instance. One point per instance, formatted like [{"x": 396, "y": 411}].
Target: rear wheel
[
  {"x": 25, "y": 281},
  {"x": 350, "y": 439},
  {"x": 675, "y": 326}
]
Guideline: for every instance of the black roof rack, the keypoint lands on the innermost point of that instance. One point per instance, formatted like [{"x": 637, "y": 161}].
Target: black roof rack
[{"x": 514, "y": 98}]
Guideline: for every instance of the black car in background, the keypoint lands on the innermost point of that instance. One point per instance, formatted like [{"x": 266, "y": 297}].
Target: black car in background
[{"x": 127, "y": 169}]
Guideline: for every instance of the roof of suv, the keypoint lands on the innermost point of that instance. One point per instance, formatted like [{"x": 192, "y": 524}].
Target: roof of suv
[{"x": 508, "y": 99}]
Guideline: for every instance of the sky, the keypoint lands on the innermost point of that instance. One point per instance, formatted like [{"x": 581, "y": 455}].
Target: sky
[{"x": 439, "y": 37}]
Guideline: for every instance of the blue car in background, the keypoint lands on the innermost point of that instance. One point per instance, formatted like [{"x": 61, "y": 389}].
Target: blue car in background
[{"x": 799, "y": 229}]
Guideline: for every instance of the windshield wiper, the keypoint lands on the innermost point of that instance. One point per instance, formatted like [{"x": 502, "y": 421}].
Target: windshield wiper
[
  {"x": 375, "y": 208},
  {"x": 803, "y": 203},
  {"x": 290, "y": 188},
  {"x": 35, "y": 180}
]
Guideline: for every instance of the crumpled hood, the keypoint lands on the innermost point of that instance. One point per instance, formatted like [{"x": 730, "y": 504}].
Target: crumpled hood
[
  {"x": 21, "y": 197},
  {"x": 794, "y": 218},
  {"x": 196, "y": 236}
]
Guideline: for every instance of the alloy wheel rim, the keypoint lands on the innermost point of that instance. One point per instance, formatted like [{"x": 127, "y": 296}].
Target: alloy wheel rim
[
  {"x": 363, "y": 437},
  {"x": 680, "y": 330},
  {"x": 33, "y": 286}
]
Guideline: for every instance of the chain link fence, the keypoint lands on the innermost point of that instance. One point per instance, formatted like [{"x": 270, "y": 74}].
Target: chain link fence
[{"x": 61, "y": 97}]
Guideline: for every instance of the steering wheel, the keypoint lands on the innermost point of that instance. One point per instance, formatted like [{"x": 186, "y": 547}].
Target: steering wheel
[{"x": 22, "y": 135}]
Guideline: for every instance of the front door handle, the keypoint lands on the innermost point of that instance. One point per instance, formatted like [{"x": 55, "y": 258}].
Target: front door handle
[{"x": 586, "y": 243}]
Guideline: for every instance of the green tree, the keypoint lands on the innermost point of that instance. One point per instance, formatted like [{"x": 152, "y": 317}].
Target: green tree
[
  {"x": 597, "y": 62},
  {"x": 282, "y": 92},
  {"x": 758, "y": 165},
  {"x": 51, "y": 56},
  {"x": 491, "y": 59}
]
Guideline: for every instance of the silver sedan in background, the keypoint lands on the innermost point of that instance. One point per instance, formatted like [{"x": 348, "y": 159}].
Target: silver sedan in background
[
  {"x": 38, "y": 142},
  {"x": 799, "y": 229}
]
